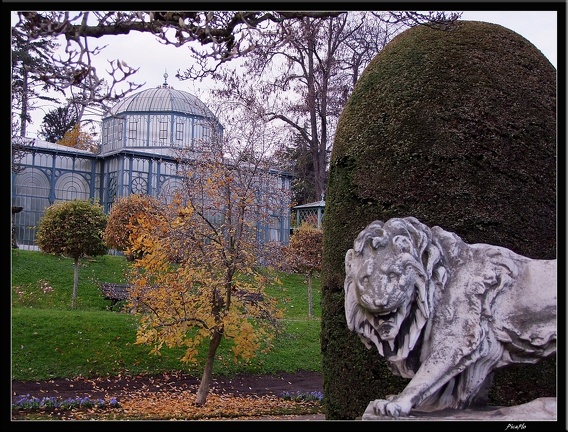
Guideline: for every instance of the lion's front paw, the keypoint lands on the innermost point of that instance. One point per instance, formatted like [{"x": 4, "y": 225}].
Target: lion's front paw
[{"x": 391, "y": 408}]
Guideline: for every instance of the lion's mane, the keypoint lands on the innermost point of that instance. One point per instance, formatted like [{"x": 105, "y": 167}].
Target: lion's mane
[{"x": 426, "y": 259}]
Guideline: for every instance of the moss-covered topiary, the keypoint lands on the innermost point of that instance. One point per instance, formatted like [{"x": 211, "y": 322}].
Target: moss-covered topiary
[{"x": 456, "y": 128}]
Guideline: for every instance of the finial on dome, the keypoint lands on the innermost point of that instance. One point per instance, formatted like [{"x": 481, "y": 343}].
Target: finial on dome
[{"x": 165, "y": 78}]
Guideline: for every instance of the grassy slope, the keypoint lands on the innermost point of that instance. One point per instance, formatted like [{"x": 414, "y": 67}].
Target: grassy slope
[{"x": 51, "y": 340}]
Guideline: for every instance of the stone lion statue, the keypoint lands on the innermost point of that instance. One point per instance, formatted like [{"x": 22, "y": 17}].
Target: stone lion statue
[{"x": 445, "y": 313}]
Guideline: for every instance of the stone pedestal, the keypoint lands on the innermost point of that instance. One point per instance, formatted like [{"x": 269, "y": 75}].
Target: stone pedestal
[{"x": 541, "y": 409}]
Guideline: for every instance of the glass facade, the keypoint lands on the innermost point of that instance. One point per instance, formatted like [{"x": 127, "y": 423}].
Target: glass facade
[
  {"x": 47, "y": 177},
  {"x": 138, "y": 143}
]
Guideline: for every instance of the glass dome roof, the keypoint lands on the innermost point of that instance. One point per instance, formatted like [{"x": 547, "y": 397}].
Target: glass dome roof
[{"x": 162, "y": 99}]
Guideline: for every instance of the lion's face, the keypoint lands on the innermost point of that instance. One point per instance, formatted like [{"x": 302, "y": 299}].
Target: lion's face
[
  {"x": 387, "y": 286},
  {"x": 383, "y": 285}
]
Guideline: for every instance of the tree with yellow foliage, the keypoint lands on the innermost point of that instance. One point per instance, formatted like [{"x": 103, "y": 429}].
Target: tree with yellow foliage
[
  {"x": 78, "y": 139},
  {"x": 304, "y": 254},
  {"x": 125, "y": 212},
  {"x": 201, "y": 279}
]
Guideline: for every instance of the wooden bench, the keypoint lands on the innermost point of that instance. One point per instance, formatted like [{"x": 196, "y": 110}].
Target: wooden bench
[
  {"x": 114, "y": 292},
  {"x": 119, "y": 292},
  {"x": 249, "y": 297}
]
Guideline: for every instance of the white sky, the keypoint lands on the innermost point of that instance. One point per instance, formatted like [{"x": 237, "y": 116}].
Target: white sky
[{"x": 153, "y": 59}]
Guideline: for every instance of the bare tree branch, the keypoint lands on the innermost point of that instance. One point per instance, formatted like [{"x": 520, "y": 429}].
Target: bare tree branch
[{"x": 225, "y": 33}]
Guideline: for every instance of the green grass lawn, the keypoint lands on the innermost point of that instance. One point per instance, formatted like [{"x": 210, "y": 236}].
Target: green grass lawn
[{"x": 52, "y": 340}]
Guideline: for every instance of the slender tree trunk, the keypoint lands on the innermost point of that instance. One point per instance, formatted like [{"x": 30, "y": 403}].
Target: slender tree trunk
[
  {"x": 75, "y": 284},
  {"x": 310, "y": 301},
  {"x": 24, "y": 113},
  {"x": 203, "y": 390}
]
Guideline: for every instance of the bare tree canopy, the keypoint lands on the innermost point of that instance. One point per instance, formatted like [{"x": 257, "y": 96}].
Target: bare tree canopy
[
  {"x": 226, "y": 31},
  {"x": 226, "y": 34},
  {"x": 304, "y": 71},
  {"x": 322, "y": 54},
  {"x": 205, "y": 27},
  {"x": 216, "y": 27}
]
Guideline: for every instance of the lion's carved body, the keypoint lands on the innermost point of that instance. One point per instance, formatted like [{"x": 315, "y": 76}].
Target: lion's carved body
[{"x": 446, "y": 313}]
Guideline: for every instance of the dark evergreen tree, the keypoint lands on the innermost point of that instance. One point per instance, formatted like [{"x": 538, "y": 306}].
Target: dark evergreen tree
[
  {"x": 57, "y": 122},
  {"x": 31, "y": 60}
]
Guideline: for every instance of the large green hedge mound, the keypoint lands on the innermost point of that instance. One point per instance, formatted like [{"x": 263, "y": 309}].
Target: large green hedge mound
[{"x": 457, "y": 128}]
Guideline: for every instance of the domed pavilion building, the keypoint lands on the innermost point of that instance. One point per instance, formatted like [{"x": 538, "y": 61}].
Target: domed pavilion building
[{"x": 140, "y": 140}]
